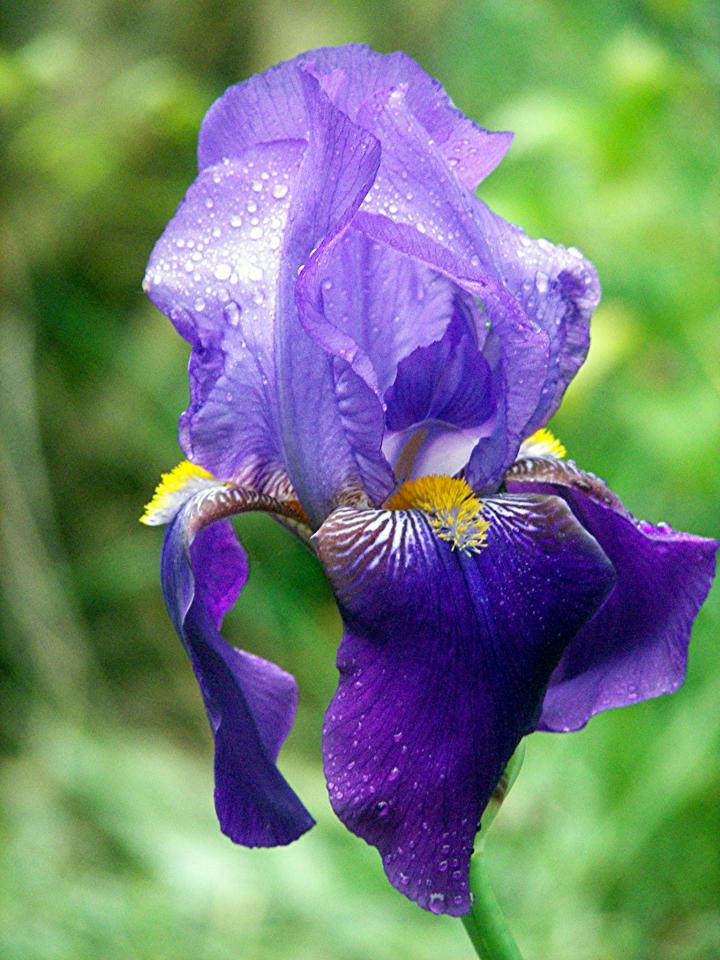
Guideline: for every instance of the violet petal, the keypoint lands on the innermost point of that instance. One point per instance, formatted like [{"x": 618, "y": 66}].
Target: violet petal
[
  {"x": 270, "y": 106},
  {"x": 636, "y": 646},
  {"x": 250, "y": 702},
  {"x": 447, "y": 381},
  {"x": 441, "y": 401},
  {"x": 547, "y": 288},
  {"x": 443, "y": 665},
  {"x": 215, "y": 272},
  {"x": 331, "y": 421},
  {"x": 373, "y": 306}
]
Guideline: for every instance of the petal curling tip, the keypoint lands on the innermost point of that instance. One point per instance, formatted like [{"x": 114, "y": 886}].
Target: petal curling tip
[{"x": 173, "y": 490}]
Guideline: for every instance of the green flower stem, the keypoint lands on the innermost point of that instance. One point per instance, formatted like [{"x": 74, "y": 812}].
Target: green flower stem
[{"x": 485, "y": 924}]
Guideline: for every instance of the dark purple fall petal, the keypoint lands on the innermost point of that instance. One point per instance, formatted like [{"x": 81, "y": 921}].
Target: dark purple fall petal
[
  {"x": 250, "y": 703},
  {"x": 443, "y": 664},
  {"x": 636, "y": 646}
]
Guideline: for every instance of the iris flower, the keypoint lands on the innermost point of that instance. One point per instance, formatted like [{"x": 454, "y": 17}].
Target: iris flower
[{"x": 375, "y": 355}]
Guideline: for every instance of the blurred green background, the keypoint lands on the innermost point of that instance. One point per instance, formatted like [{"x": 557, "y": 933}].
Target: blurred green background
[{"x": 608, "y": 847}]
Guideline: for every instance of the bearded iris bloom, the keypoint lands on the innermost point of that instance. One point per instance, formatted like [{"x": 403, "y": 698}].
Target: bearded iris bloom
[{"x": 375, "y": 355}]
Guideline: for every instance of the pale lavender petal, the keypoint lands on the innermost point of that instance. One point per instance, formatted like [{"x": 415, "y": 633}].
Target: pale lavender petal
[
  {"x": 516, "y": 349},
  {"x": 250, "y": 702},
  {"x": 331, "y": 421},
  {"x": 555, "y": 290},
  {"x": 270, "y": 106},
  {"x": 443, "y": 666},
  {"x": 373, "y": 306},
  {"x": 636, "y": 646},
  {"x": 215, "y": 272},
  {"x": 435, "y": 449}
]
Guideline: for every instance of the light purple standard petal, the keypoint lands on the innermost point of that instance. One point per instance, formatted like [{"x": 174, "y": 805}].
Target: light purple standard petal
[
  {"x": 364, "y": 304},
  {"x": 270, "y": 106},
  {"x": 538, "y": 297},
  {"x": 331, "y": 421},
  {"x": 266, "y": 398},
  {"x": 535, "y": 296},
  {"x": 557, "y": 288},
  {"x": 443, "y": 665},
  {"x": 373, "y": 306},
  {"x": 516, "y": 349},
  {"x": 250, "y": 702},
  {"x": 215, "y": 273},
  {"x": 636, "y": 646}
]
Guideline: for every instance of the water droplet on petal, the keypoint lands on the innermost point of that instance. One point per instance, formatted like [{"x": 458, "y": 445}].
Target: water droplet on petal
[
  {"x": 280, "y": 190},
  {"x": 222, "y": 271},
  {"x": 437, "y": 902},
  {"x": 232, "y": 313}
]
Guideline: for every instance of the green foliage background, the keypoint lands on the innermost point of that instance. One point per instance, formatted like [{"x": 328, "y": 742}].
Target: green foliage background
[{"x": 608, "y": 847}]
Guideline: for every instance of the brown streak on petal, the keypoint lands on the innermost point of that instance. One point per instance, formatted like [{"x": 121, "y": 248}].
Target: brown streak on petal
[
  {"x": 353, "y": 495},
  {"x": 565, "y": 472},
  {"x": 227, "y": 501},
  {"x": 408, "y": 454}
]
